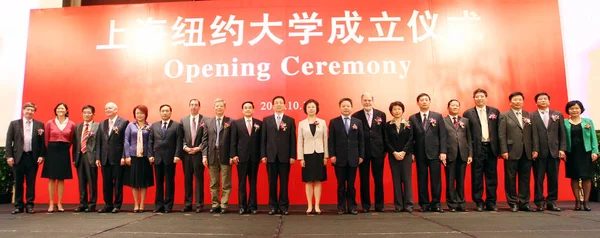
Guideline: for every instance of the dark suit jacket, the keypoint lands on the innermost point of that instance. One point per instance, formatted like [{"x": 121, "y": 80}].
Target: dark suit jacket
[
  {"x": 209, "y": 140},
  {"x": 459, "y": 139},
  {"x": 347, "y": 148},
  {"x": 165, "y": 148},
  {"x": 375, "y": 135},
  {"x": 109, "y": 149},
  {"x": 243, "y": 145},
  {"x": 552, "y": 139},
  {"x": 90, "y": 154},
  {"x": 493, "y": 119},
  {"x": 513, "y": 137},
  {"x": 15, "y": 140},
  {"x": 187, "y": 135},
  {"x": 278, "y": 143},
  {"x": 398, "y": 142},
  {"x": 431, "y": 142}
]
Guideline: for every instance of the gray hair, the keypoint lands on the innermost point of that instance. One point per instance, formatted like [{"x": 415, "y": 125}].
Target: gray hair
[{"x": 220, "y": 100}]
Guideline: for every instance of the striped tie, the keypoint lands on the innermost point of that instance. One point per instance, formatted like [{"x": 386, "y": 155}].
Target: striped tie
[{"x": 84, "y": 140}]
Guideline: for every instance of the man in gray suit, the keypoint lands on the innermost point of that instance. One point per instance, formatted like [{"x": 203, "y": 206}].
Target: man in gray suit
[
  {"x": 193, "y": 128},
  {"x": 518, "y": 146},
  {"x": 460, "y": 154},
  {"x": 84, "y": 152},
  {"x": 550, "y": 128},
  {"x": 25, "y": 150},
  {"x": 215, "y": 144}
]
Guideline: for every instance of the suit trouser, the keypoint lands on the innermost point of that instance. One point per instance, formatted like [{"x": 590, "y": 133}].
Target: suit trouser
[
  {"x": 425, "y": 166},
  {"x": 455, "y": 182},
  {"x": 247, "y": 171},
  {"x": 25, "y": 172},
  {"x": 402, "y": 180},
  {"x": 112, "y": 182},
  {"x": 485, "y": 163},
  {"x": 279, "y": 170},
  {"x": 193, "y": 170},
  {"x": 374, "y": 165},
  {"x": 346, "y": 193},
  {"x": 220, "y": 175},
  {"x": 546, "y": 167},
  {"x": 88, "y": 179},
  {"x": 522, "y": 168},
  {"x": 165, "y": 175}
]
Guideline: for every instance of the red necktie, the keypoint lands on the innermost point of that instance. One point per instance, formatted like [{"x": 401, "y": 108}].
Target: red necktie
[
  {"x": 455, "y": 123},
  {"x": 84, "y": 139}
]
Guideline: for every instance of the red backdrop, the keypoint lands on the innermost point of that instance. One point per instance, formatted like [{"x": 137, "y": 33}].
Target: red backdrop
[{"x": 502, "y": 46}]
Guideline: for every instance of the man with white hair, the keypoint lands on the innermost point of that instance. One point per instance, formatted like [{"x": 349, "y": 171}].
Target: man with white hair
[{"x": 111, "y": 141}]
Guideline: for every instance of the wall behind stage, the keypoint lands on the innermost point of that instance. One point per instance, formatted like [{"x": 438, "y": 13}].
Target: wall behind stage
[{"x": 171, "y": 52}]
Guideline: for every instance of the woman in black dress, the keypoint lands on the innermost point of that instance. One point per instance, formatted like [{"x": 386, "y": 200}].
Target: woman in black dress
[
  {"x": 312, "y": 153},
  {"x": 139, "y": 176},
  {"x": 582, "y": 151},
  {"x": 398, "y": 138}
]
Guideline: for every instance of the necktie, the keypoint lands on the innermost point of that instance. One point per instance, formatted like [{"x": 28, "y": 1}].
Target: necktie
[
  {"x": 485, "y": 130},
  {"x": 369, "y": 118},
  {"x": 164, "y": 128},
  {"x": 84, "y": 139},
  {"x": 249, "y": 126},
  {"x": 545, "y": 118},
  {"x": 520, "y": 117},
  {"x": 278, "y": 122},
  {"x": 110, "y": 127},
  {"x": 218, "y": 130},
  {"x": 424, "y": 121},
  {"x": 347, "y": 124},
  {"x": 194, "y": 129},
  {"x": 455, "y": 122},
  {"x": 28, "y": 135}
]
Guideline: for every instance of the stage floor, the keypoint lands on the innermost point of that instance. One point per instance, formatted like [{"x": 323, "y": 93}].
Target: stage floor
[{"x": 504, "y": 223}]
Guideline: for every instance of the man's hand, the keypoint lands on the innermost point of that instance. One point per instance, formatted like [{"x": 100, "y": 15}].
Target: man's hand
[
  {"x": 505, "y": 156},
  {"x": 302, "y": 163},
  {"x": 176, "y": 160},
  {"x": 151, "y": 159},
  {"x": 469, "y": 160},
  {"x": 236, "y": 160},
  {"x": 292, "y": 161},
  {"x": 333, "y": 159},
  {"x": 40, "y": 160},
  {"x": 534, "y": 155},
  {"x": 360, "y": 160},
  {"x": 205, "y": 161},
  {"x": 10, "y": 161},
  {"x": 413, "y": 158},
  {"x": 188, "y": 150},
  {"x": 397, "y": 156},
  {"x": 443, "y": 158},
  {"x": 98, "y": 163},
  {"x": 562, "y": 155},
  {"x": 263, "y": 160}
]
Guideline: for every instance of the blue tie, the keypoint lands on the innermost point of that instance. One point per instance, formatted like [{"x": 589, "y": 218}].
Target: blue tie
[
  {"x": 164, "y": 128},
  {"x": 347, "y": 124}
]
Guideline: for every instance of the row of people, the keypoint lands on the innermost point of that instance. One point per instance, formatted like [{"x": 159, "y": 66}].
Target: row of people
[{"x": 354, "y": 143}]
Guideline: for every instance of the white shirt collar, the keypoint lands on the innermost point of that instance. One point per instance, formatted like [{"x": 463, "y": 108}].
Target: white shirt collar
[
  {"x": 424, "y": 113},
  {"x": 544, "y": 111},
  {"x": 344, "y": 117},
  {"x": 280, "y": 115},
  {"x": 63, "y": 123},
  {"x": 247, "y": 118},
  {"x": 167, "y": 121},
  {"x": 515, "y": 111},
  {"x": 481, "y": 108}
]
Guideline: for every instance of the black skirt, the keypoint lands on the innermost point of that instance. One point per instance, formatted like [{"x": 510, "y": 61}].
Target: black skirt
[
  {"x": 57, "y": 164},
  {"x": 314, "y": 170},
  {"x": 139, "y": 174},
  {"x": 579, "y": 163}
]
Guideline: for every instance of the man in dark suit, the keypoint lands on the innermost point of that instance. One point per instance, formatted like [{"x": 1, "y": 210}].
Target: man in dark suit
[
  {"x": 518, "y": 146},
  {"x": 193, "y": 128},
  {"x": 347, "y": 150},
  {"x": 373, "y": 121},
  {"x": 460, "y": 154},
  {"x": 430, "y": 148},
  {"x": 110, "y": 157},
  {"x": 166, "y": 143},
  {"x": 215, "y": 142},
  {"x": 245, "y": 151},
  {"x": 84, "y": 159},
  {"x": 484, "y": 121},
  {"x": 550, "y": 128},
  {"x": 25, "y": 150},
  {"x": 278, "y": 151}
]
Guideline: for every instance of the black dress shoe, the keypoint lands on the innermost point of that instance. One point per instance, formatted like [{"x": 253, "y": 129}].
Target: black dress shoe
[
  {"x": 380, "y": 210},
  {"x": 409, "y": 210},
  {"x": 527, "y": 209},
  {"x": 437, "y": 209},
  {"x": 115, "y": 210},
  {"x": 105, "y": 210},
  {"x": 425, "y": 209},
  {"x": 79, "y": 209},
  {"x": 461, "y": 209},
  {"x": 285, "y": 212},
  {"x": 367, "y": 210},
  {"x": 160, "y": 209},
  {"x": 198, "y": 210},
  {"x": 514, "y": 208},
  {"x": 186, "y": 209},
  {"x": 452, "y": 210},
  {"x": 17, "y": 211},
  {"x": 29, "y": 210},
  {"x": 553, "y": 207},
  {"x": 272, "y": 212},
  {"x": 215, "y": 210},
  {"x": 168, "y": 211},
  {"x": 492, "y": 208},
  {"x": 353, "y": 212},
  {"x": 91, "y": 208},
  {"x": 480, "y": 208},
  {"x": 541, "y": 208},
  {"x": 242, "y": 211},
  {"x": 398, "y": 210},
  {"x": 340, "y": 212},
  {"x": 223, "y": 211},
  {"x": 252, "y": 211}
]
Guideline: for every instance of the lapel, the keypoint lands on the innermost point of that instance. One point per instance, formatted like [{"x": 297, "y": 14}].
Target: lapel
[
  {"x": 79, "y": 130},
  {"x": 243, "y": 120},
  {"x": 448, "y": 120},
  {"x": 512, "y": 116},
  {"x": 168, "y": 127},
  {"x": 115, "y": 124},
  {"x": 427, "y": 122},
  {"x": 420, "y": 121},
  {"x": 363, "y": 117},
  {"x": 186, "y": 125},
  {"x": 478, "y": 121},
  {"x": 539, "y": 116}
]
